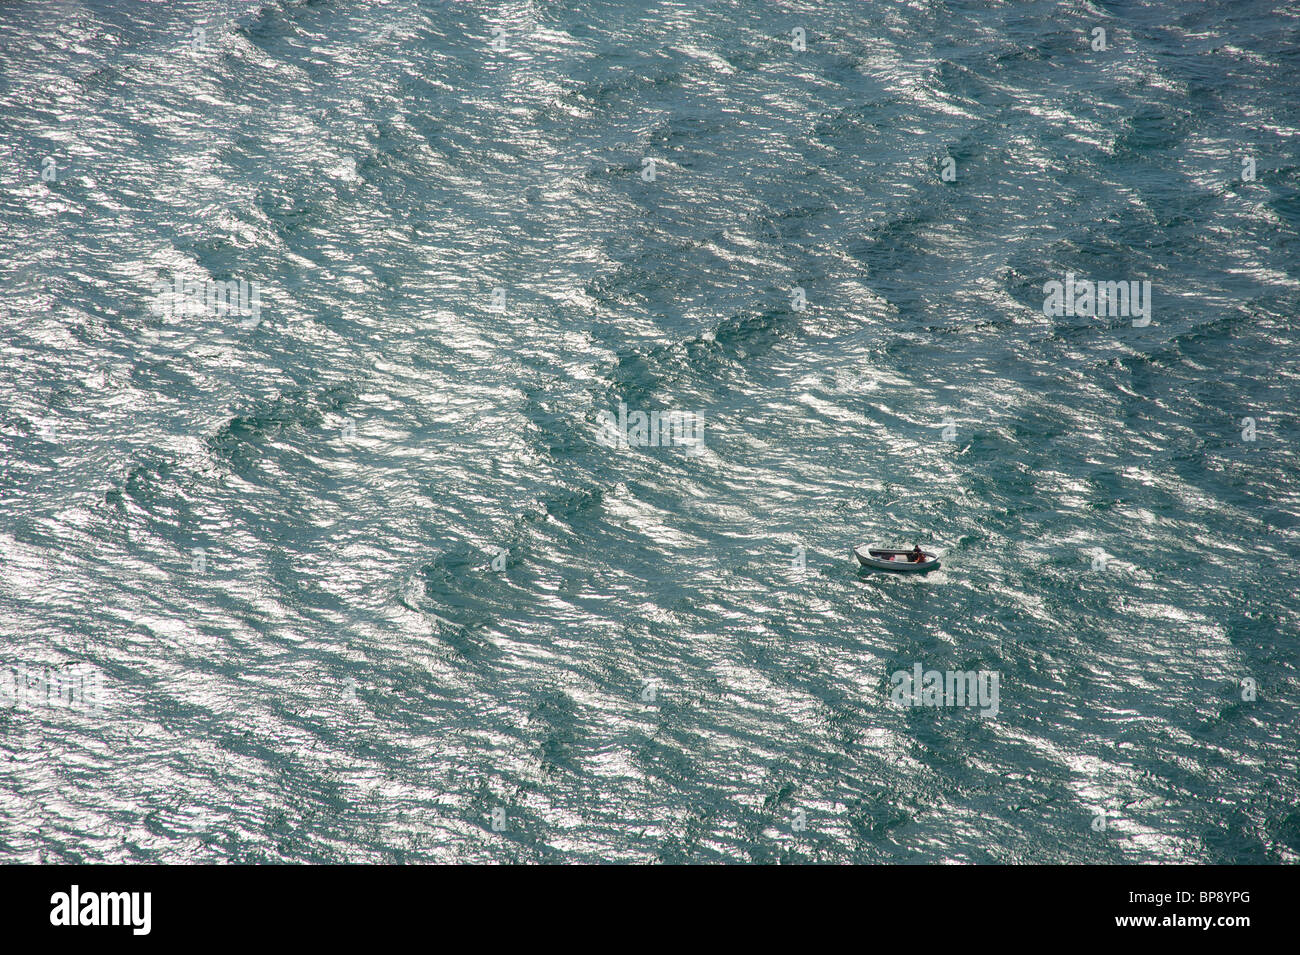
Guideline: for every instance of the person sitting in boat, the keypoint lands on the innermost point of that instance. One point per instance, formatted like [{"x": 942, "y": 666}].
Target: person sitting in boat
[{"x": 916, "y": 556}]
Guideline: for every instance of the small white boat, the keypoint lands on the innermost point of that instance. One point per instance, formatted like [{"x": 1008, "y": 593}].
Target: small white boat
[{"x": 879, "y": 558}]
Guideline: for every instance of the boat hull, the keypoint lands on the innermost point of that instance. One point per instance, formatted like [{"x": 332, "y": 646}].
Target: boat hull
[{"x": 879, "y": 559}]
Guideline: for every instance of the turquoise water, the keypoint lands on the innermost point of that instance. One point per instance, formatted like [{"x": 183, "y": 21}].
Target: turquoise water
[{"x": 362, "y": 577}]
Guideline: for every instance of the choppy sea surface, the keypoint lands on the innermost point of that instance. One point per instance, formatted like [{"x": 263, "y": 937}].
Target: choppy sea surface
[{"x": 360, "y": 578}]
